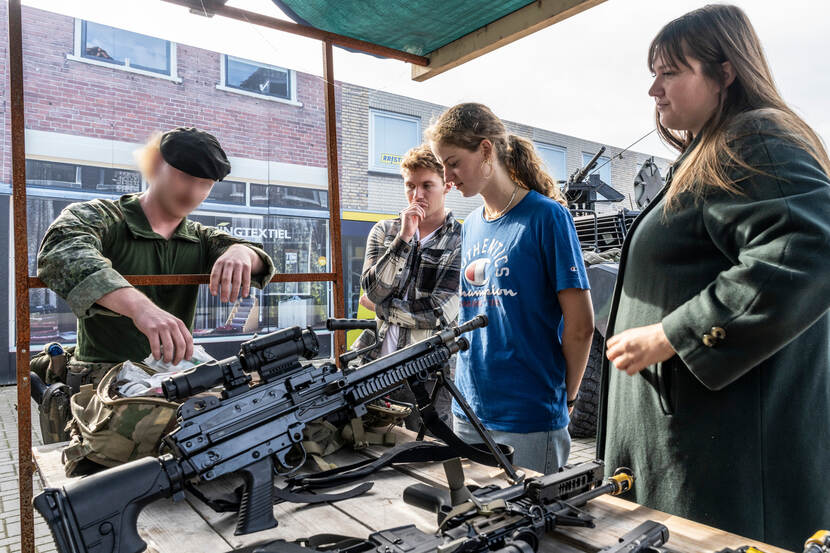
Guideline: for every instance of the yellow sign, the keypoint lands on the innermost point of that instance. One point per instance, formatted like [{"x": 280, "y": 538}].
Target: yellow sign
[{"x": 391, "y": 159}]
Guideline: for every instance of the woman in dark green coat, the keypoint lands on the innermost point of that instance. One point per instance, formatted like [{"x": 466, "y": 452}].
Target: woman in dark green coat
[{"x": 717, "y": 384}]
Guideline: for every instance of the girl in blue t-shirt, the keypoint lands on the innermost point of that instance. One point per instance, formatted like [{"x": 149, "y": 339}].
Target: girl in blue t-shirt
[{"x": 522, "y": 267}]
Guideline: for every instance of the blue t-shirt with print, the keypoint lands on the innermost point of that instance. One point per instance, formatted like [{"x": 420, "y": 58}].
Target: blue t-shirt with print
[{"x": 513, "y": 374}]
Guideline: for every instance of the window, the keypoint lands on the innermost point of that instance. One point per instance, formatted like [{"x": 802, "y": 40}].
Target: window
[
  {"x": 270, "y": 195},
  {"x": 107, "y": 180},
  {"x": 602, "y": 168},
  {"x": 390, "y": 136},
  {"x": 554, "y": 158},
  {"x": 296, "y": 244},
  {"x": 228, "y": 192},
  {"x": 257, "y": 78},
  {"x": 125, "y": 48}
]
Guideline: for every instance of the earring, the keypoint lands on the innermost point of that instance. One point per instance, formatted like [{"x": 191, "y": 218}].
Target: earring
[{"x": 489, "y": 163}]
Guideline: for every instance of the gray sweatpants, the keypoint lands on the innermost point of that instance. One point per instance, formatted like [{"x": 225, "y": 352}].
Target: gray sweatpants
[{"x": 543, "y": 452}]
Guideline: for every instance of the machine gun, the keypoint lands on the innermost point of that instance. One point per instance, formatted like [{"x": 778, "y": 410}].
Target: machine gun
[
  {"x": 253, "y": 429},
  {"x": 490, "y": 519},
  {"x": 579, "y": 175}
]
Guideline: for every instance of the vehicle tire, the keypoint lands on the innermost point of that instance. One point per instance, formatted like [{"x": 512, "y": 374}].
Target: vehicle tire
[{"x": 584, "y": 417}]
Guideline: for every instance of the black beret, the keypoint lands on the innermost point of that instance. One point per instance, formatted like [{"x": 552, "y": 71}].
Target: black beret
[{"x": 195, "y": 152}]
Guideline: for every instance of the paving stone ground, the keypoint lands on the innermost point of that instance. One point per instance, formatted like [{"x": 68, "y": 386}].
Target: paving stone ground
[
  {"x": 581, "y": 450},
  {"x": 9, "y": 497}
]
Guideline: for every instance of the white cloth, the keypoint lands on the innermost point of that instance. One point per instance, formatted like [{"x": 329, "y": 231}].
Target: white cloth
[{"x": 390, "y": 341}]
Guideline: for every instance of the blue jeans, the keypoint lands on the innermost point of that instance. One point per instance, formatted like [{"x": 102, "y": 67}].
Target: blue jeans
[{"x": 543, "y": 452}]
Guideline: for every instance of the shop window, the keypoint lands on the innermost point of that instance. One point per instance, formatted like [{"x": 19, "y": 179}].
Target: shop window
[
  {"x": 271, "y": 195},
  {"x": 227, "y": 192},
  {"x": 107, "y": 180}
]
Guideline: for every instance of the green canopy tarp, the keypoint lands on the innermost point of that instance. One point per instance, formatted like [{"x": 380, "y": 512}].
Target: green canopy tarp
[{"x": 417, "y": 27}]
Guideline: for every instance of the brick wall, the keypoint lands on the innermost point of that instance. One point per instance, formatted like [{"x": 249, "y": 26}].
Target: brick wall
[{"x": 73, "y": 97}]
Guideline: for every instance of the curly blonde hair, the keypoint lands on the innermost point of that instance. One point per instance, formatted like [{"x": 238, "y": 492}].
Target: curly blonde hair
[{"x": 421, "y": 157}]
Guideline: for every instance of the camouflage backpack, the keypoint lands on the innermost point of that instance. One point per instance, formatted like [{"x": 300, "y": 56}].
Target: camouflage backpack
[
  {"x": 323, "y": 437},
  {"x": 107, "y": 430}
]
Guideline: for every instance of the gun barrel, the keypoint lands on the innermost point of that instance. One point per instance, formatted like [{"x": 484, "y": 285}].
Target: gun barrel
[
  {"x": 479, "y": 321},
  {"x": 580, "y": 175},
  {"x": 351, "y": 324}
]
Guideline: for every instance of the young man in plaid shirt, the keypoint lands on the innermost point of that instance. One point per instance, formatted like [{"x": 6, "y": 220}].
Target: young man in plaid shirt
[{"x": 413, "y": 266}]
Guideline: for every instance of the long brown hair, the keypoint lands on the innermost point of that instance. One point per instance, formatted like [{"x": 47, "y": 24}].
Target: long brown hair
[
  {"x": 712, "y": 35},
  {"x": 467, "y": 125}
]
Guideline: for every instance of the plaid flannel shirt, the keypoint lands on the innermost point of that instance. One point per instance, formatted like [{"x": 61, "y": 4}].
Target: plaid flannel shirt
[{"x": 430, "y": 275}]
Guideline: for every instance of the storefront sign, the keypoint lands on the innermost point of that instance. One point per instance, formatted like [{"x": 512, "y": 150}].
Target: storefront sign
[{"x": 252, "y": 233}]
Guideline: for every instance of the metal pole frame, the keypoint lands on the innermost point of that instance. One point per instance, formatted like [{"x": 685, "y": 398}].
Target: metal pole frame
[{"x": 23, "y": 282}]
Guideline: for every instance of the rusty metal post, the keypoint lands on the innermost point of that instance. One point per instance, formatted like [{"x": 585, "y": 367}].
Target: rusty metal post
[
  {"x": 21, "y": 278},
  {"x": 334, "y": 195}
]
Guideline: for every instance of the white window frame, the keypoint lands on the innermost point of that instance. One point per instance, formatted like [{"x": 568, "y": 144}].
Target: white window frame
[
  {"x": 77, "y": 55},
  {"x": 392, "y": 115},
  {"x": 559, "y": 149},
  {"x": 292, "y": 82}
]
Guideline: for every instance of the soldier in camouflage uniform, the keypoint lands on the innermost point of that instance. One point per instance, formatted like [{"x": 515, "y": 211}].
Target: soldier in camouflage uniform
[{"x": 92, "y": 244}]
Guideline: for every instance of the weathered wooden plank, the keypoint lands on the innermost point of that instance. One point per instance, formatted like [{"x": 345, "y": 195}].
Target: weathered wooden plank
[
  {"x": 615, "y": 516},
  {"x": 164, "y": 525},
  {"x": 293, "y": 520},
  {"x": 192, "y": 526},
  {"x": 383, "y": 506}
]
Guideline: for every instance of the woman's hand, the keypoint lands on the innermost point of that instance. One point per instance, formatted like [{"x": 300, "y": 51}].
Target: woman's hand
[{"x": 636, "y": 348}]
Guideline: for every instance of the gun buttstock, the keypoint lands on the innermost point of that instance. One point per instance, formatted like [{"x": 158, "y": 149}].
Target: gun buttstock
[{"x": 98, "y": 513}]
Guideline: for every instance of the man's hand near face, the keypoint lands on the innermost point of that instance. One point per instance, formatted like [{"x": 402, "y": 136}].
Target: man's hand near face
[{"x": 411, "y": 218}]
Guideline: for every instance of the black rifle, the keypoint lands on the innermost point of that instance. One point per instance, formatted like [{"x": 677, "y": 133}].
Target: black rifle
[
  {"x": 253, "y": 430},
  {"x": 491, "y": 519}
]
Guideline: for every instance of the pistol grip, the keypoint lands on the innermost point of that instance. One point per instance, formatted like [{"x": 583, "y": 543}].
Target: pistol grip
[{"x": 256, "y": 512}]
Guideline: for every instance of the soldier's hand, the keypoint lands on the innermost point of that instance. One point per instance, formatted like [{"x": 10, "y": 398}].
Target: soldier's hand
[
  {"x": 168, "y": 335},
  {"x": 232, "y": 273}
]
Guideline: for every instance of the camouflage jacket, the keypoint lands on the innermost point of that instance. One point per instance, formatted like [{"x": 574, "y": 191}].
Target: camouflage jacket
[
  {"x": 90, "y": 246},
  {"x": 427, "y": 276}
]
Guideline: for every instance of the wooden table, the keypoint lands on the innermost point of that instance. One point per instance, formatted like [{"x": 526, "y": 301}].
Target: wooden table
[{"x": 191, "y": 527}]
